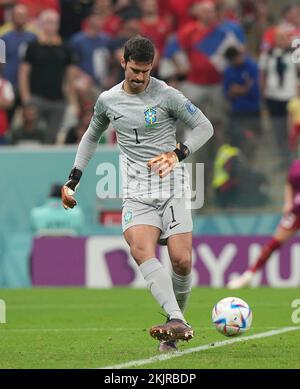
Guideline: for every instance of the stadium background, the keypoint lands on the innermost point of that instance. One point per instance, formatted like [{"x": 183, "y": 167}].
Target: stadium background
[
  {"x": 31, "y": 161},
  {"x": 73, "y": 296}
]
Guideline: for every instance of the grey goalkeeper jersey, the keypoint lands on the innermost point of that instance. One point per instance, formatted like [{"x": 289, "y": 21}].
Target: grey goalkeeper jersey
[{"x": 145, "y": 127}]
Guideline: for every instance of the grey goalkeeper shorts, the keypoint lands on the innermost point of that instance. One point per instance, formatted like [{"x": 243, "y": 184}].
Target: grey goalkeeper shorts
[{"x": 172, "y": 215}]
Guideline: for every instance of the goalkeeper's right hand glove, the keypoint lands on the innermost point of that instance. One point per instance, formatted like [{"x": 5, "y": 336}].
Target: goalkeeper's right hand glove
[{"x": 69, "y": 188}]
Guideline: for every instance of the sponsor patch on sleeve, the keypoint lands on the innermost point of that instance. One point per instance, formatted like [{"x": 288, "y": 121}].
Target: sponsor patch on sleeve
[{"x": 192, "y": 109}]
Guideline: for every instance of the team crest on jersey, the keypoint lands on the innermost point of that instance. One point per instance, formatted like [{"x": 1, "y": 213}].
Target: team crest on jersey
[
  {"x": 150, "y": 116},
  {"x": 128, "y": 217}
]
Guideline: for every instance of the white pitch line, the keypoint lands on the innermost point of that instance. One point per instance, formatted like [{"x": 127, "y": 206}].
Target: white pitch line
[{"x": 176, "y": 354}]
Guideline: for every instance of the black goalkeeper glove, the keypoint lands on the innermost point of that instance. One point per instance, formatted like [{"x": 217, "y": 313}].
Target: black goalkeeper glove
[{"x": 69, "y": 188}]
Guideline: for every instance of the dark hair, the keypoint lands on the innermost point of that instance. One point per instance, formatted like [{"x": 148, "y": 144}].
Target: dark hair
[
  {"x": 139, "y": 49},
  {"x": 92, "y": 12},
  {"x": 231, "y": 53}
]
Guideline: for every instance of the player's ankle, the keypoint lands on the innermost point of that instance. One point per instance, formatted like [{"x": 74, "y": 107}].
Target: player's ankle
[{"x": 176, "y": 315}]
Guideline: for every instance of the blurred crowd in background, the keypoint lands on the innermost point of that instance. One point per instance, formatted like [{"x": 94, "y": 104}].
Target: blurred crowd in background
[{"x": 233, "y": 58}]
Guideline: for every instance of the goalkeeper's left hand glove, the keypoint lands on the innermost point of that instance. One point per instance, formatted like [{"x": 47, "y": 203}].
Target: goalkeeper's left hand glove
[
  {"x": 69, "y": 188},
  {"x": 165, "y": 163}
]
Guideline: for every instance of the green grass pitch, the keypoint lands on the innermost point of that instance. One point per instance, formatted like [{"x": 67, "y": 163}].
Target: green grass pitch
[{"x": 90, "y": 328}]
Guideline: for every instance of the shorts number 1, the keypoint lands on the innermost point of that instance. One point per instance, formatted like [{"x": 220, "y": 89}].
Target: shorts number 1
[{"x": 173, "y": 217}]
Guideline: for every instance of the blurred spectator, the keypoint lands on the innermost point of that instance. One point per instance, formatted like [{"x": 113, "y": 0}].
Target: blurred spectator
[
  {"x": 47, "y": 65},
  {"x": 241, "y": 86},
  {"x": 279, "y": 85},
  {"x": 248, "y": 12},
  {"x": 256, "y": 26},
  {"x": 289, "y": 23},
  {"x": 174, "y": 63},
  {"x": 31, "y": 130},
  {"x": 4, "y": 5},
  {"x": 52, "y": 219},
  {"x": 75, "y": 134},
  {"x": 230, "y": 9},
  {"x": 205, "y": 41},
  {"x": 177, "y": 11},
  {"x": 154, "y": 26},
  {"x": 17, "y": 19},
  {"x": 6, "y": 101},
  {"x": 113, "y": 13},
  {"x": 130, "y": 26},
  {"x": 227, "y": 22},
  {"x": 93, "y": 51},
  {"x": 130, "y": 22},
  {"x": 16, "y": 41},
  {"x": 122, "y": 5},
  {"x": 235, "y": 182},
  {"x": 111, "y": 20},
  {"x": 294, "y": 120},
  {"x": 36, "y": 7},
  {"x": 225, "y": 180},
  {"x": 73, "y": 12}
]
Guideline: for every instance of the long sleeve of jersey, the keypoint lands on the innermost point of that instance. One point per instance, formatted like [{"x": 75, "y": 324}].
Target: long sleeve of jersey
[
  {"x": 181, "y": 108},
  {"x": 90, "y": 139}
]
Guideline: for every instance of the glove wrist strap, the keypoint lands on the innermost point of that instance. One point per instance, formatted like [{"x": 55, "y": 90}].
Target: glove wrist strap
[
  {"x": 181, "y": 151},
  {"x": 75, "y": 175}
]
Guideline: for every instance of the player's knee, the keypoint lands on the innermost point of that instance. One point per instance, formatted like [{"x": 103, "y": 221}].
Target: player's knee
[
  {"x": 182, "y": 262},
  {"x": 140, "y": 252}
]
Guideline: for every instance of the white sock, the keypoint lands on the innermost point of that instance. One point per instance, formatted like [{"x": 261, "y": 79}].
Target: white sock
[
  {"x": 160, "y": 284},
  {"x": 182, "y": 286}
]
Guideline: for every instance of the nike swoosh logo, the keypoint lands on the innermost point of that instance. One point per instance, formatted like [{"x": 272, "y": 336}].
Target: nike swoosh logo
[
  {"x": 173, "y": 226},
  {"x": 118, "y": 117}
]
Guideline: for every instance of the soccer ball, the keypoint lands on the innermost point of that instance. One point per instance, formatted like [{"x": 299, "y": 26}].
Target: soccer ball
[{"x": 232, "y": 316}]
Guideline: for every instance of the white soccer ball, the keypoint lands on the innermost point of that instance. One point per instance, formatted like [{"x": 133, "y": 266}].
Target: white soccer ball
[{"x": 232, "y": 316}]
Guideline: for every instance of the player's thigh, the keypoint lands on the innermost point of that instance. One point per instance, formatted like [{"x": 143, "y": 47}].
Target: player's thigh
[
  {"x": 142, "y": 240},
  {"x": 288, "y": 227}
]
